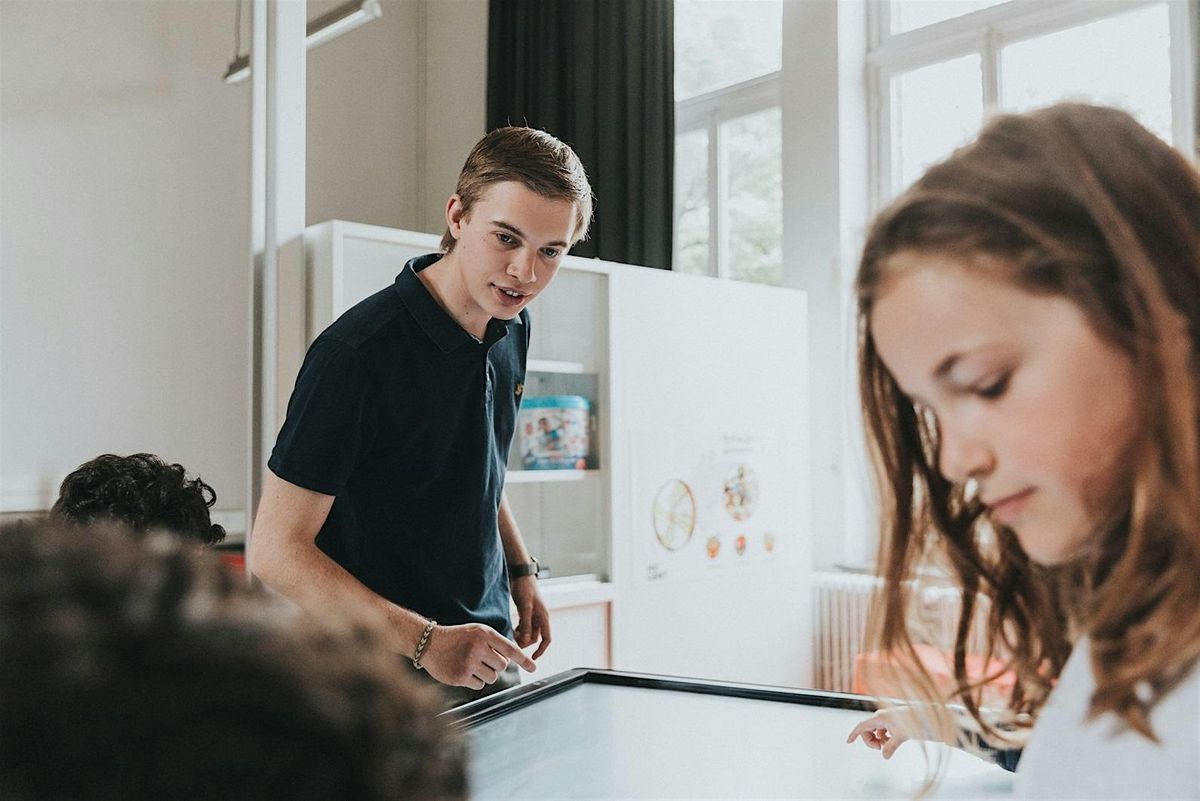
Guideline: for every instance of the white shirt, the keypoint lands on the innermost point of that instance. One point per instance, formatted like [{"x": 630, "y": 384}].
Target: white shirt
[{"x": 1069, "y": 756}]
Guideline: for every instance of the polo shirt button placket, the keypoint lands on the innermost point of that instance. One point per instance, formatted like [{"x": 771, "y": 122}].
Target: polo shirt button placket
[
  {"x": 488, "y": 381},
  {"x": 491, "y": 337}
]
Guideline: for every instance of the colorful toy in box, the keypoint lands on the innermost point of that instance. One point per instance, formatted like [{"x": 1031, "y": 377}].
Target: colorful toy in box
[{"x": 552, "y": 432}]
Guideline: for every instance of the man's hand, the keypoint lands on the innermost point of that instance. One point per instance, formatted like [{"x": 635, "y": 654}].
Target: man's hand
[
  {"x": 533, "y": 617},
  {"x": 471, "y": 655}
]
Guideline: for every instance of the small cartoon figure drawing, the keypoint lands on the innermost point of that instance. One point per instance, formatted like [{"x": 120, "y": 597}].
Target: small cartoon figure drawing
[
  {"x": 741, "y": 493},
  {"x": 714, "y": 546}
]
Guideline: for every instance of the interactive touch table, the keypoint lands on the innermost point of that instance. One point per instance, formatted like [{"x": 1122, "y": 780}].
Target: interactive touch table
[{"x": 609, "y": 734}]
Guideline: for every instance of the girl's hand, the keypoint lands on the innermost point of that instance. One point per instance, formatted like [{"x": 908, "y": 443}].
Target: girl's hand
[{"x": 879, "y": 732}]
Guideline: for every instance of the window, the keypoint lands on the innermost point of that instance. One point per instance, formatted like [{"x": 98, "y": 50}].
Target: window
[
  {"x": 940, "y": 67},
  {"x": 1124, "y": 60},
  {"x": 728, "y": 196},
  {"x": 908, "y": 15},
  {"x": 935, "y": 109}
]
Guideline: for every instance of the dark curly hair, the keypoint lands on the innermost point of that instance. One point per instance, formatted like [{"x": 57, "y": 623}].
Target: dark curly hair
[
  {"x": 141, "y": 491},
  {"x": 139, "y": 668}
]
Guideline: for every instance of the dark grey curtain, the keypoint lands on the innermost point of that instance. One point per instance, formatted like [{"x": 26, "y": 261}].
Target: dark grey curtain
[{"x": 598, "y": 74}]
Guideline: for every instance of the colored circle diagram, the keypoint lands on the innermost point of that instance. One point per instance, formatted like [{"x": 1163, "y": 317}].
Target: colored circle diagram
[{"x": 674, "y": 514}]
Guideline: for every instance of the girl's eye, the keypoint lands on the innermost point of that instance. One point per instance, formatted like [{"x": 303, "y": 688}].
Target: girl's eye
[
  {"x": 995, "y": 389},
  {"x": 550, "y": 252}
]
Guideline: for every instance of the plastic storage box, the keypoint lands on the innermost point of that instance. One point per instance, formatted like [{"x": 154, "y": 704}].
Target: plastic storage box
[{"x": 552, "y": 432}]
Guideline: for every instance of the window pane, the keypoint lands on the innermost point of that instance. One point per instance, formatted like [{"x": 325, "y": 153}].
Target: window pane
[
  {"x": 935, "y": 109},
  {"x": 909, "y": 14},
  {"x": 754, "y": 206},
  {"x": 1120, "y": 61},
  {"x": 723, "y": 42},
  {"x": 691, "y": 203}
]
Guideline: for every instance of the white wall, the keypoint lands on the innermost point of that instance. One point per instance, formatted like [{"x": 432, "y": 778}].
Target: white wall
[
  {"x": 364, "y": 124},
  {"x": 454, "y": 99},
  {"x": 824, "y": 215},
  {"x": 124, "y": 172},
  {"x": 393, "y": 110},
  {"x": 123, "y": 290}
]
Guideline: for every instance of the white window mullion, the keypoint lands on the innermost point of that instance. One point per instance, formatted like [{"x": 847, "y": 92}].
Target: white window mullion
[
  {"x": 879, "y": 122},
  {"x": 879, "y": 22},
  {"x": 989, "y": 62},
  {"x": 716, "y": 205},
  {"x": 709, "y": 112},
  {"x": 1016, "y": 20},
  {"x": 1183, "y": 76},
  {"x": 988, "y": 32},
  {"x": 728, "y": 102}
]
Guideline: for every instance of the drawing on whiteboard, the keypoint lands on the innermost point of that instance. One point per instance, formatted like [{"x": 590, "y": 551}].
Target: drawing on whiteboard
[
  {"x": 674, "y": 514},
  {"x": 741, "y": 493},
  {"x": 713, "y": 546}
]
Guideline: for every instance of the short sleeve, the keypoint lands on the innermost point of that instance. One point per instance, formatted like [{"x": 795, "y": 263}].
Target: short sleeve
[{"x": 331, "y": 420}]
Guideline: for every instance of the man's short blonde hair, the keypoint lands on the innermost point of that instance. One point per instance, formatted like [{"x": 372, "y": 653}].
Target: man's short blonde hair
[{"x": 532, "y": 158}]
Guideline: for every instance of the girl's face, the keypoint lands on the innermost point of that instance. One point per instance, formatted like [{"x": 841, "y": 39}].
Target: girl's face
[{"x": 1029, "y": 401}]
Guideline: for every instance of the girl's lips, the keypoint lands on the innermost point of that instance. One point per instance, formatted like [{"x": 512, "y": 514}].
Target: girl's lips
[{"x": 1008, "y": 509}]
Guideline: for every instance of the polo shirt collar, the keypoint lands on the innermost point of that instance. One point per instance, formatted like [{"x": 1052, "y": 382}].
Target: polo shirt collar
[{"x": 435, "y": 321}]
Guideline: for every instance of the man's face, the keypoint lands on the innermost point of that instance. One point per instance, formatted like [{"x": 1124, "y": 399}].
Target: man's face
[{"x": 509, "y": 246}]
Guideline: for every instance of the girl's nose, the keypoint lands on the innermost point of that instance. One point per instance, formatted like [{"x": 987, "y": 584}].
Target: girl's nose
[{"x": 963, "y": 456}]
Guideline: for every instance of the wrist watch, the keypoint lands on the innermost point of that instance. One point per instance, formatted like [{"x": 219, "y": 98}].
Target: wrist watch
[{"x": 530, "y": 568}]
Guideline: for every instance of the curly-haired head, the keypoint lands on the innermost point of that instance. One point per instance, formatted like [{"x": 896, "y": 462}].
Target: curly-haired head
[
  {"x": 141, "y": 491},
  {"x": 139, "y": 668}
]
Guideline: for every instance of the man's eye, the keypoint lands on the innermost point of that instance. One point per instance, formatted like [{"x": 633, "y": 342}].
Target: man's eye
[
  {"x": 506, "y": 239},
  {"x": 995, "y": 389},
  {"x": 550, "y": 252}
]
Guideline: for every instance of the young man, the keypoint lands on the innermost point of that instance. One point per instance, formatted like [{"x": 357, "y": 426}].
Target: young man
[
  {"x": 141, "y": 491},
  {"x": 385, "y": 493}
]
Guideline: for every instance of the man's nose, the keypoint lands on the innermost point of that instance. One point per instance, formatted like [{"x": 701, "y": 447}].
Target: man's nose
[{"x": 523, "y": 268}]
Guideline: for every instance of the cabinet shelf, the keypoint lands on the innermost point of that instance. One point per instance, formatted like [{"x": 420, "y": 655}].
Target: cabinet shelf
[
  {"x": 552, "y": 366},
  {"x": 549, "y": 476}
]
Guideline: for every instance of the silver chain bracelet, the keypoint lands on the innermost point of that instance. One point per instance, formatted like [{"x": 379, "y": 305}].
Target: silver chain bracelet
[{"x": 423, "y": 643}]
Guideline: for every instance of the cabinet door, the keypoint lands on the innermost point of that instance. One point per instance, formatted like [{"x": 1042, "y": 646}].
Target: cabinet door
[
  {"x": 580, "y": 639},
  {"x": 351, "y": 261},
  {"x": 711, "y": 546}
]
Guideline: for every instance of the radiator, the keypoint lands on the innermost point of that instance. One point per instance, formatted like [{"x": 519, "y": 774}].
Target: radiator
[{"x": 841, "y": 605}]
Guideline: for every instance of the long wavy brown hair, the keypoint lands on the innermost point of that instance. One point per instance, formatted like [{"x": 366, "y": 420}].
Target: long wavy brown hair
[{"x": 1081, "y": 202}]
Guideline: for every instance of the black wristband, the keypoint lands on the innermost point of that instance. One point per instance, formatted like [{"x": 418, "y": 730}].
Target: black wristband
[{"x": 530, "y": 568}]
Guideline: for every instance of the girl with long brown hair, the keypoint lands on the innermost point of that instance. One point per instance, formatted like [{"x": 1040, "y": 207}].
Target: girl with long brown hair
[{"x": 1029, "y": 330}]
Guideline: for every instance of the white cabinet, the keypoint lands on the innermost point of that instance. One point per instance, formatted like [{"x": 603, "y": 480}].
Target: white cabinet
[
  {"x": 565, "y": 515},
  {"x": 689, "y": 380}
]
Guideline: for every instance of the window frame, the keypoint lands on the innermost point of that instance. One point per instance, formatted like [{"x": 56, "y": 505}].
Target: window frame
[
  {"x": 709, "y": 112},
  {"x": 987, "y": 32}
]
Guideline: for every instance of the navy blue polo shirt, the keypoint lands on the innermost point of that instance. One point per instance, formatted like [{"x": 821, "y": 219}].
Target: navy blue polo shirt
[{"x": 407, "y": 419}]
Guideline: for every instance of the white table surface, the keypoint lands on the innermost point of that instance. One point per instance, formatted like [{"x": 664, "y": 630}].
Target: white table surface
[{"x": 603, "y": 741}]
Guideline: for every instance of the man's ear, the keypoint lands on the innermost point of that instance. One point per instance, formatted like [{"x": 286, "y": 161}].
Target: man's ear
[{"x": 455, "y": 213}]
